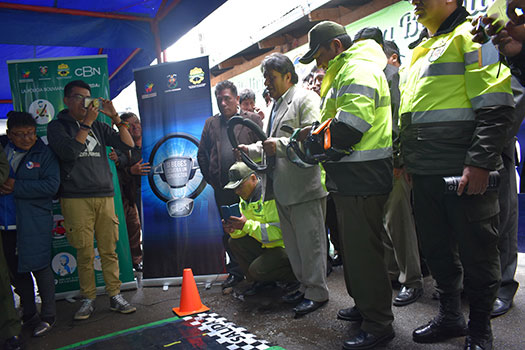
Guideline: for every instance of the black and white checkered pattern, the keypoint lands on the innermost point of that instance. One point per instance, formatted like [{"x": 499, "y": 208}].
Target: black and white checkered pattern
[{"x": 226, "y": 333}]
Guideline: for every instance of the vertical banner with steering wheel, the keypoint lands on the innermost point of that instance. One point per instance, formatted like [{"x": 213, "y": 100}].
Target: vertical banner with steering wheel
[{"x": 181, "y": 224}]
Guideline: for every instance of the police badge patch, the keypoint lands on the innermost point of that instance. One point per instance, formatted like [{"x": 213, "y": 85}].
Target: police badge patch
[{"x": 436, "y": 53}]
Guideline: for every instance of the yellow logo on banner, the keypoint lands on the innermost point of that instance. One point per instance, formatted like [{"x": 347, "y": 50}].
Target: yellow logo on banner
[
  {"x": 63, "y": 70},
  {"x": 196, "y": 75}
]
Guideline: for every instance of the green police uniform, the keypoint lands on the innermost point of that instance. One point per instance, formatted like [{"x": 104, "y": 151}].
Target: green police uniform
[
  {"x": 456, "y": 106},
  {"x": 356, "y": 95},
  {"x": 259, "y": 246}
]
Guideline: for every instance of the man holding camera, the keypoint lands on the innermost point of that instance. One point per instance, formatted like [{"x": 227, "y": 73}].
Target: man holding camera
[
  {"x": 456, "y": 109},
  {"x": 86, "y": 190}
]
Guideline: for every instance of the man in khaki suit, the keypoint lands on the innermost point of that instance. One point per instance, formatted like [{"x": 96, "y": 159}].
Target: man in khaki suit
[{"x": 300, "y": 197}]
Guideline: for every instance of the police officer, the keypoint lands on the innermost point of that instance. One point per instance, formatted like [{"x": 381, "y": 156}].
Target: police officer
[
  {"x": 456, "y": 107},
  {"x": 355, "y": 94}
]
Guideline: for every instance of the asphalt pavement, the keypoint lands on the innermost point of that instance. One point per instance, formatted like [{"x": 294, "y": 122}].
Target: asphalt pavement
[{"x": 270, "y": 319}]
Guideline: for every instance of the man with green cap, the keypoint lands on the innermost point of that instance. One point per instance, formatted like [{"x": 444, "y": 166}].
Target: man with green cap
[
  {"x": 355, "y": 96},
  {"x": 255, "y": 237}
]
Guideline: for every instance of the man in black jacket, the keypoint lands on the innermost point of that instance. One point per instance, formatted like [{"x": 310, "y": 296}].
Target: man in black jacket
[{"x": 86, "y": 190}]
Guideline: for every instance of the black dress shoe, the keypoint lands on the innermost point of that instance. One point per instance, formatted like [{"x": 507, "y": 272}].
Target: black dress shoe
[
  {"x": 293, "y": 298},
  {"x": 478, "y": 344},
  {"x": 306, "y": 306},
  {"x": 434, "y": 333},
  {"x": 13, "y": 343},
  {"x": 407, "y": 296},
  {"x": 500, "y": 307},
  {"x": 364, "y": 340},
  {"x": 231, "y": 281},
  {"x": 44, "y": 327},
  {"x": 350, "y": 314}
]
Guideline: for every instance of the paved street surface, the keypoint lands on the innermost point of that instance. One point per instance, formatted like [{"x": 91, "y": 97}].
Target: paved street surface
[{"x": 269, "y": 319}]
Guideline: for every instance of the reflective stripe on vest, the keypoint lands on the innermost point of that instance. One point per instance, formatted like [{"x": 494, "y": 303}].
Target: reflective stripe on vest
[
  {"x": 265, "y": 238},
  {"x": 492, "y": 99},
  {"x": 352, "y": 120},
  {"x": 358, "y": 90},
  {"x": 446, "y": 68},
  {"x": 443, "y": 115},
  {"x": 488, "y": 56},
  {"x": 362, "y": 90},
  {"x": 366, "y": 155}
]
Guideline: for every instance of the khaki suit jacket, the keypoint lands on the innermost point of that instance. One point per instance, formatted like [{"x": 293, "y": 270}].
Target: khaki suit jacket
[{"x": 297, "y": 108}]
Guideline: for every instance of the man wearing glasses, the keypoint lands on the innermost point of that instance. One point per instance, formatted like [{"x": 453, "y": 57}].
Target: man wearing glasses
[
  {"x": 26, "y": 199},
  {"x": 86, "y": 190}
]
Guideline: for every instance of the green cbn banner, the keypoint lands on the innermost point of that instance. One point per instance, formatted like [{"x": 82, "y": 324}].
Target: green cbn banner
[{"x": 37, "y": 86}]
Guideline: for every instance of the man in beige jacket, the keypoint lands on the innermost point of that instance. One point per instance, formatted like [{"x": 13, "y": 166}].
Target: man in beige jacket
[{"x": 300, "y": 197}]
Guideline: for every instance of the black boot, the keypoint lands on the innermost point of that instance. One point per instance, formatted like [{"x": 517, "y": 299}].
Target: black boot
[
  {"x": 449, "y": 323},
  {"x": 479, "y": 332}
]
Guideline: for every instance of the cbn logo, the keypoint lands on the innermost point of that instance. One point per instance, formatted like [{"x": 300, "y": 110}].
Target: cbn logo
[
  {"x": 63, "y": 70},
  {"x": 87, "y": 71},
  {"x": 196, "y": 75}
]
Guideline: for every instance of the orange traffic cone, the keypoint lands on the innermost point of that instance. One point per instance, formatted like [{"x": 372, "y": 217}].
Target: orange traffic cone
[{"x": 190, "y": 301}]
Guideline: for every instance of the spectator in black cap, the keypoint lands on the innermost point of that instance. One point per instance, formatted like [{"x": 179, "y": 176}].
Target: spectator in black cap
[{"x": 373, "y": 33}]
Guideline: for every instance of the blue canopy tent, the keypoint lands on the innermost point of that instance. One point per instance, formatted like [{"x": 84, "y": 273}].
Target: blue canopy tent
[{"x": 132, "y": 33}]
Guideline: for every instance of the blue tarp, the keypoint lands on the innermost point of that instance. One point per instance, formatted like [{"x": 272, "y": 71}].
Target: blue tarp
[{"x": 26, "y": 33}]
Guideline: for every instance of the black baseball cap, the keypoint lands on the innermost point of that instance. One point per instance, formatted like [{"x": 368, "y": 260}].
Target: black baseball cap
[
  {"x": 237, "y": 174},
  {"x": 320, "y": 34}
]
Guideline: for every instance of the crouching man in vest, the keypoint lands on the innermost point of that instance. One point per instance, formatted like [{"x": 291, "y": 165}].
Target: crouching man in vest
[{"x": 255, "y": 237}]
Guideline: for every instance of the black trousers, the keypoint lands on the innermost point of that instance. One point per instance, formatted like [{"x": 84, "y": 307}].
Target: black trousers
[
  {"x": 459, "y": 238},
  {"x": 508, "y": 228},
  {"x": 23, "y": 282}
]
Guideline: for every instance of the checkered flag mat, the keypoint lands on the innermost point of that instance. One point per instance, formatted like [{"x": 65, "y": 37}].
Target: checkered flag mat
[{"x": 226, "y": 333}]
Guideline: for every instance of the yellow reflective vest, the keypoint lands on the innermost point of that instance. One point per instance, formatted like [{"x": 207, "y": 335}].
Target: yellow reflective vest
[
  {"x": 355, "y": 93},
  {"x": 262, "y": 223},
  {"x": 455, "y": 100}
]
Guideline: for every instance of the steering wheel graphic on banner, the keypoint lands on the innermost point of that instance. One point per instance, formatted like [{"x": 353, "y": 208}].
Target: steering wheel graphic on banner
[
  {"x": 270, "y": 161},
  {"x": 174, "y": 178}
]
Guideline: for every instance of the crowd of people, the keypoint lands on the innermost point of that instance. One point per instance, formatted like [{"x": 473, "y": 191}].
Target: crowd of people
[
  {"x": 392, "y": 133},
  {"x": 396, "y": 132},
  {"x": 75, "y": 166}
]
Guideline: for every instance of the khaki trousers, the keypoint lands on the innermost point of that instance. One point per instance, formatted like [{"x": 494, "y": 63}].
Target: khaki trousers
[
  {"x": 400, "y": 238},
  {"x": 85, "y": 219},
  {"x": 304, "y": 238}
]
